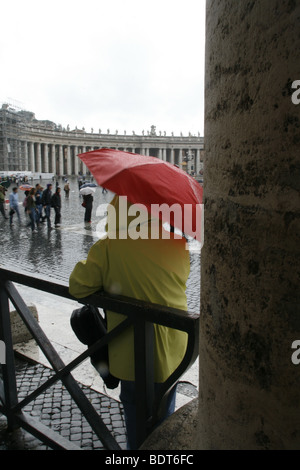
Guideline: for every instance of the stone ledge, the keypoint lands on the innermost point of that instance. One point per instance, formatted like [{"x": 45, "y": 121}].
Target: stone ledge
[
  {"x": 177, "y": 432},
  {"x": 20, "y": 333}
]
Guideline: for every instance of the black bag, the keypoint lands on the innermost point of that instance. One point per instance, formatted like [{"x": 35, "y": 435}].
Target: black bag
[
  {"x": 89, "y": 326},
  {"x": 12, "y": 211}
]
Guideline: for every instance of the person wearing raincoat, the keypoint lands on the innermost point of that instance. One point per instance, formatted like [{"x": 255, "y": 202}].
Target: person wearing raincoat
[{"x": 150, "y": 269}]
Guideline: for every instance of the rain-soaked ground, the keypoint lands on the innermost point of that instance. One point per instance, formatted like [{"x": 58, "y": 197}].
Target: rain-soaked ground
[{"x": 54, "y": 253}]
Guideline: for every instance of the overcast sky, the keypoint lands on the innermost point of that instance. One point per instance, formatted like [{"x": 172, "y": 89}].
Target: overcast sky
[{"x": 117, "y": 64}]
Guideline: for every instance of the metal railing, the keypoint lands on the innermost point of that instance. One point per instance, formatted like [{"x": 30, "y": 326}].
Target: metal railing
[{"x": 139, "y": 314}]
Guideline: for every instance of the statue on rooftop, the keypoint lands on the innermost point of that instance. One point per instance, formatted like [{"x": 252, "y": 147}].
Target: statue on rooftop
[{"x": 153, "y": 130}]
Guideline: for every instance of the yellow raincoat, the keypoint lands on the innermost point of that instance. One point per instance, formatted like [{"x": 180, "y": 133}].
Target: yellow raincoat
[{"x": 154, "y": 270}]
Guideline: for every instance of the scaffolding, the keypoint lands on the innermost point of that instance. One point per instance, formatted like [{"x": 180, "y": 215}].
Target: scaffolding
[{"x": 13, "y": 151}]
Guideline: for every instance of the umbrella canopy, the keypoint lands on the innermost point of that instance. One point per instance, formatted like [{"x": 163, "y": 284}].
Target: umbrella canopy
[
  {"x": 5, "y": 183},
  {"x": 87, "y": 190},
  {"x": 25, "y": 187},
  {"x": 88, "y": 185},
  {"x": 151, "y": 182}
]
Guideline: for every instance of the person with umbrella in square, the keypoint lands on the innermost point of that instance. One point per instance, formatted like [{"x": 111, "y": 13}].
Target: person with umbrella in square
[
  {"x": 151, "y": 267},
  {"x": 86, "y": 191}
]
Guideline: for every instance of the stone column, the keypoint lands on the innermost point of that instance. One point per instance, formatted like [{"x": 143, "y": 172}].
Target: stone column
[
  {"x": 172, "y": 156},
  {"x": 76, "y": 161},
  {"x": 61, "y": 160},
  {"x": 68, "y": 169},
  {"x": 180, "y": 158},
  {"x": 84, "y": 167},
  {"x": 26, "y": 163},
  {"x": 197, "y": 162},
  {"x": 38, "y": 158},
  {"x": 249, "y": 388},
  {"x": 19, "y": 154},
  {"x": 53, "y": 159},
  {"x": 31, "y": 157},
  {"x": 46, "y": 158}
]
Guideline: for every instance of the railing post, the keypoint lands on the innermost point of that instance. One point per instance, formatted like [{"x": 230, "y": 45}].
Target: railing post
[
  {"x": 144, "y": 376},
  {"x": 9, "y": 396}
]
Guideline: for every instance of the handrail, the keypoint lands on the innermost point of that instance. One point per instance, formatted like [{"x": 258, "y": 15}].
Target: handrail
[{"x": 140, "y": 315}]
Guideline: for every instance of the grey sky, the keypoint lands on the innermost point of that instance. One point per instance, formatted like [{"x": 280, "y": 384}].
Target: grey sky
[{"x": 120, "y": 64}]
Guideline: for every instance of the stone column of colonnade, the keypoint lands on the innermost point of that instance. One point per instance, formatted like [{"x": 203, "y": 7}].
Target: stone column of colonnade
[
  {"x": 76, "y": 160},
  {"x": 249, "y": 387},
  {"x": 53, "y": 159},
  {"x": 26, "y": 156},
  {"x": 31, "y": 157},
  {"x": 46, "y": 158}
]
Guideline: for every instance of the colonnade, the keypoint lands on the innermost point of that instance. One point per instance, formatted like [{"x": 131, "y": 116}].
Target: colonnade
[
  {"x": 43, "y": 147},
  {"x": 63, "y": 159}
]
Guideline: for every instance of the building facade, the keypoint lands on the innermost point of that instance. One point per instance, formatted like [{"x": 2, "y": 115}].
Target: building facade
[{"x": 27, "y": 144}]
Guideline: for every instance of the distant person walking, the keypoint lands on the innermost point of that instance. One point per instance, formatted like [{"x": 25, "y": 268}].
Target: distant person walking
[
  {"x": 88, "y": 204},
  {"x": 32, "y": 210},
  {"x": 56, "y": 204},
  {"x": 2, "y": 201},
  {"x": 14, "y": 205},
  {"x": 38, "y": 202},
  {"x": 67, "y": 189},
  {"x": 46, "y": 202}
]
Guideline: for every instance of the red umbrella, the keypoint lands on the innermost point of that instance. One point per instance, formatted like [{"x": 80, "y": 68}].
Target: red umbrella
[
  {"x": 151, "y": 182},
  {"x": 25, "y": 187}
]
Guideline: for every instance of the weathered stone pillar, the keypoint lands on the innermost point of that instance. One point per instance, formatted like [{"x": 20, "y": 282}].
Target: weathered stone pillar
[
  {"x": 172, "y": 156},
  {"x": 46, "y": 158},
  {"x": 180, "y": 158},
  {"x": 68, "y": 165},
  {"x": 38, "y": 158},
  {"x": 31, "y": 157},
  {"x": 249, "y": 388},
  {"x": 84, "y": 167},
  {"x": 26, "y": 165},
  {"x": 76, "y": 162},
  {"x": 53, "y": 159},
  {"x": 61, "y": 160},
  {"x": 197, "y": 162}
]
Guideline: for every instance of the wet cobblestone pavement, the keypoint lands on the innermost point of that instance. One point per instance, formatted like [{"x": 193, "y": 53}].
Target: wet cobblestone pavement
[
  {"x": 52, "y": 255},
  {"x": 57, "y": 410}
]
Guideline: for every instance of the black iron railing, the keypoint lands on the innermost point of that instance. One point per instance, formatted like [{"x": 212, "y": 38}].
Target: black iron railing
[{"x": 141, "y": 315}]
